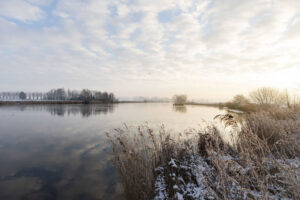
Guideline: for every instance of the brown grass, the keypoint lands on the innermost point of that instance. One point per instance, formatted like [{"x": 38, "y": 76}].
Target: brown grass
[
  {"x": 257, "y": 166},
  {"x": 137, "y": 152}
]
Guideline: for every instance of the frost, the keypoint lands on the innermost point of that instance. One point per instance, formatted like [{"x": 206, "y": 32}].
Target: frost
[
  {"x": 172, "y": 163},
  {"x": 160, "y": 186},
  {"x": 179, "y": 196},
  {"x": 195, "y": 178}
]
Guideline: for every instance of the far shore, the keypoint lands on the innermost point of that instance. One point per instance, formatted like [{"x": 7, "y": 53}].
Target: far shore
[
  {"x": 27, "y": 102},
  {"x": 38, "y": 102},
  {"x": 59, "y": 102}
]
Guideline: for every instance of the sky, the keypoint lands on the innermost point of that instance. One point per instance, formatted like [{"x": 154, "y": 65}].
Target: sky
[{"x": 210, "y": 49}]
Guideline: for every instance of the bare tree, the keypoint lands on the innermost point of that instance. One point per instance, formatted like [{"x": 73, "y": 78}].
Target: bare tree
[
  {"x": 267, "y": 96},
  {"x": 86, "y": 95},
  {"x": 61, "y": 94}
]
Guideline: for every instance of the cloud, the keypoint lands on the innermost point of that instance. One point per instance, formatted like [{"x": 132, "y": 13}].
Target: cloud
[
  {"x": 20, "y": 10},
  {"x": 165, "y": 44},
  {"x": 41, "y": 2}
]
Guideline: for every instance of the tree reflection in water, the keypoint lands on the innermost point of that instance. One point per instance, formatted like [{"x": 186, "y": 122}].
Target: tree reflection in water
[
  {"x": 62, "y": 110},
  {"x": 181, "y": 109}
]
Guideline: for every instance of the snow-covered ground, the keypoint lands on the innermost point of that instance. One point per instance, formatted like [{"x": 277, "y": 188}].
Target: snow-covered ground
[{"x": 196, "y": 178}]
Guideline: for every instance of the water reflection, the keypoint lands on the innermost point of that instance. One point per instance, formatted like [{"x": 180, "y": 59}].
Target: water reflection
[
  {"x": 57, "y": 167},
  {"x": 62, "y": 110},
  {"x": 45, "y": 156},
  {"x": 181, "y": 109},
  {"x": 61, "y": 152},
  {"x": 84, "y": 110}
]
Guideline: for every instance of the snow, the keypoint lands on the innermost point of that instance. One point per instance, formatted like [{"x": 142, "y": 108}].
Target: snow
[
  {"x": 193, "y": 178},
  {"x": 160, "y": 186},
  {"x": 235, "y": 111},
  {"x": 179, "y": 196},
  {"x": 195, "y": 167},
  {"x": 172, "y": 163}
]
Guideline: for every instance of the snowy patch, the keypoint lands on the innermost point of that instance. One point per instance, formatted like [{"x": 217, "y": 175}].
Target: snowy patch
[
  {"x": 160, "y": 185},
  {"x": 195, "y": 178}
]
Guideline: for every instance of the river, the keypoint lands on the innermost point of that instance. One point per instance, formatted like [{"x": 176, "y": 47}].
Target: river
[{"x": 61, "y": 151}]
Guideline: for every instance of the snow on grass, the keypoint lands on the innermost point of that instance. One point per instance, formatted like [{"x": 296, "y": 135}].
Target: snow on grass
[
  {"x": 195, "y": 178},
  {"x": 160, "y": 185},
  {"x": 187, "y": 179}
]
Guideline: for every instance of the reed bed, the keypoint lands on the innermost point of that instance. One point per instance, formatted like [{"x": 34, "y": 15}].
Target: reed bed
[{"x": 262, "y": 163}]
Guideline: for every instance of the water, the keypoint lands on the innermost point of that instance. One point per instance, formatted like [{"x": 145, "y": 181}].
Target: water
[{"x": 61, "y": 151}]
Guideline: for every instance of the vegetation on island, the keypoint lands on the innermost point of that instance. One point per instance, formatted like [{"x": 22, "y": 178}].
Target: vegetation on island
[
  {"x": 179, "y": 100},
  {"x": 255, "y": 156}
]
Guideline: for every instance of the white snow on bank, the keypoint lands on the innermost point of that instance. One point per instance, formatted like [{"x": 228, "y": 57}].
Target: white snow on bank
[
  {"x": 160, "y": 185},
  {"x": 193, "y": 178},
  {"x": 198, "y": 190},
  {"x": 172, "y": 163}
]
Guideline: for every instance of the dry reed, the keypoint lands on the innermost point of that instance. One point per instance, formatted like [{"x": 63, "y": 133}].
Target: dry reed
[{"x": 259, "y": 165}]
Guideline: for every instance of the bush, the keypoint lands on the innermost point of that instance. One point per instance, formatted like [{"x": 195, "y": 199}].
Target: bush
[{"x": 180, "y": 99}]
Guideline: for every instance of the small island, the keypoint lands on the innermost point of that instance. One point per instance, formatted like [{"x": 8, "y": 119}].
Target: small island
[{"x": 179, "y": 100}]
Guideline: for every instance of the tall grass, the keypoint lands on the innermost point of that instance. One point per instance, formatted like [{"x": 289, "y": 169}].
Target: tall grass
[
  {"x": 137, "y": 152},
  {"x": 257, "y": 166}
]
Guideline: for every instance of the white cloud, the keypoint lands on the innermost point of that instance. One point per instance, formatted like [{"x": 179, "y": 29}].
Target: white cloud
[
  {"x": 238, "y": 44},
  {"x": 40, "y": 2},
  {"x": 20, "y": 10}
]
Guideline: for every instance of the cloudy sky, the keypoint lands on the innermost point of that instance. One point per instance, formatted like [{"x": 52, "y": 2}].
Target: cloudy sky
[{"x": 204, "y": 48}]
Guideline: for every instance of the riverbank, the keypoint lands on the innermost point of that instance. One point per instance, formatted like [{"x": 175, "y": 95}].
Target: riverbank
[
  {"x": 261, "y": 161},
  {"x": 218, "y": 105},
  {"x": 203, "y": 104}
]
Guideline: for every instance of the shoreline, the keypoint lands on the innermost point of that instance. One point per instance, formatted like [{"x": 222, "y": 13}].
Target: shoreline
[
  {"x": 46, "y": 102},
  {"x": 203, "y": 104}
]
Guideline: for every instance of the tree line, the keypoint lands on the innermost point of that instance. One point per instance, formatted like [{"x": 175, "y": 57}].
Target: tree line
[
  {"x": 264, "y": 97},
  {"x": 61, "y": 94}
]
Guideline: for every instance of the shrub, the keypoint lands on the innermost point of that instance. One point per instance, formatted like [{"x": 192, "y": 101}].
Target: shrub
[{"x": 179, "y": 99}]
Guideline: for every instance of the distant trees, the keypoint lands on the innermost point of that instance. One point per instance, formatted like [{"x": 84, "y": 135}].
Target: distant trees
[
  {"x": 34, "y": 95},
  {"x": 56, "y": 94},
  {"x": 9, "y": 95},
  {"x": 267, "y": 96},
  {"x": 61, "y": 94},
  {"x": 262, "y": 98},
  {"x": 86, "y": 96},
  {"x": 73, "y": 95},
  {"x": 22, "y": 95},
  {"x": 240, "y": 100},
  {"x": 111, "y": 97},
  {"x": 179, "y": 99}
]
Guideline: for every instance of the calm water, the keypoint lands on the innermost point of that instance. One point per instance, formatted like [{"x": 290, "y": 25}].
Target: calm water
[{"x": 61, "y": 152}]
